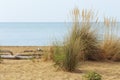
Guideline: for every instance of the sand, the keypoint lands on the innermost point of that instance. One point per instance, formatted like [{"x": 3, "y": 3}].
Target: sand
[
  {"x": 40, "y": 70},
  {"x": 28, "y": 70},
  {"x": 21, "y": 49}
]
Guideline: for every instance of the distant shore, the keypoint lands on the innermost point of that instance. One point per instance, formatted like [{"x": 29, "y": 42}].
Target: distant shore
[{"x": 20, "y": 49}]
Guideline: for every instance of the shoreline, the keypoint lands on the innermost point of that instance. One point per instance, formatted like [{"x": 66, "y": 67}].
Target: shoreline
[{"x": 20, "y": 49}]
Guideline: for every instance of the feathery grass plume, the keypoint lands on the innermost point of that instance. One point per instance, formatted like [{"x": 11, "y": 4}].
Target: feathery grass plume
[
  {"x": 66, "y": 56},
  {"x": 71, "y": 46},
  {"x": 85, "y": 37},
  {"x": 111, "y": 42},
  {"x": 83, "y": 44},
  {"x": 80, "y": 44}
]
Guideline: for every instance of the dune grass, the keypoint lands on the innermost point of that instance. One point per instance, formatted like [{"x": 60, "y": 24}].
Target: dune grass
[
  {"x": 111, "y": 41},
  {"x": 81, "y": 44}
]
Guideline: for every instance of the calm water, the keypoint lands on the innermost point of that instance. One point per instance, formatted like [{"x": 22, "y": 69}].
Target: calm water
[
  {"x": 34, "y": 34},
  {"x": 30, "y": 34}
]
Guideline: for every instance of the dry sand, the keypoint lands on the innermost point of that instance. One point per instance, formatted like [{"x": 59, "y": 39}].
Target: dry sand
[
  {"x": 21, "y": 49},
  {"x": 28, "y": 70}
]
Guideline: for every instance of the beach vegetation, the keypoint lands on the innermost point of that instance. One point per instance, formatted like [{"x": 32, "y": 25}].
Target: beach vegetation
[
  {"x": 92, "y": 76},
  {"x": 111, "y": 42},
  {"x": 81, "y": 43}
]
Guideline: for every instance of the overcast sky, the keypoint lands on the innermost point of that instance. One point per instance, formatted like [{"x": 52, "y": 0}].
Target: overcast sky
[{"x": 53, "y": 10}]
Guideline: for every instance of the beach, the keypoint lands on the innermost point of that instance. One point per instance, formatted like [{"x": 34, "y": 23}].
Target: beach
[
  {"x": 21, "y": 49},
  {"x": 27, "y": 70},
  {"x": 41, "y": 70},
  {"x": 59, "y": 40}
]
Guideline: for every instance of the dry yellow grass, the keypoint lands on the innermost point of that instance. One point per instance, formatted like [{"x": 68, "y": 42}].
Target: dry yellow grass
[{"x": 27, "y": 70}]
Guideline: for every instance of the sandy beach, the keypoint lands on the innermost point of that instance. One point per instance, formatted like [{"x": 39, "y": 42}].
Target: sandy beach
[
  {"x": 27, "y": 70},
  {"x": 21, "y": 49},
  {"x": 40, "y": 70},
  {"x": 59, "y": 40}
]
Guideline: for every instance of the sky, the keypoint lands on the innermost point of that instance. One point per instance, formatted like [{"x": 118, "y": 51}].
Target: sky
[{"x": 54, "y": 10}]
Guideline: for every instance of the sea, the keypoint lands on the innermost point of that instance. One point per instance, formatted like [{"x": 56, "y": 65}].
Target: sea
[
  {"x": 36, "y": 33},
  {"x": 32, "y": 33}
]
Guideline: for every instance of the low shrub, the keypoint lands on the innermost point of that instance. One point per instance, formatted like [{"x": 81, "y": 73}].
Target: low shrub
[{"x": 92, "y": 76}]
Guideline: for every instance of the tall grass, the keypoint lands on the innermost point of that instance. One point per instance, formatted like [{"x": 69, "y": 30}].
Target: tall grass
[
  {"x": 111, "y": 42},
  {"x": 80, "y": 44},
  {"x": 84, "y": 37},
  {"x": 66, "y": 56}
]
